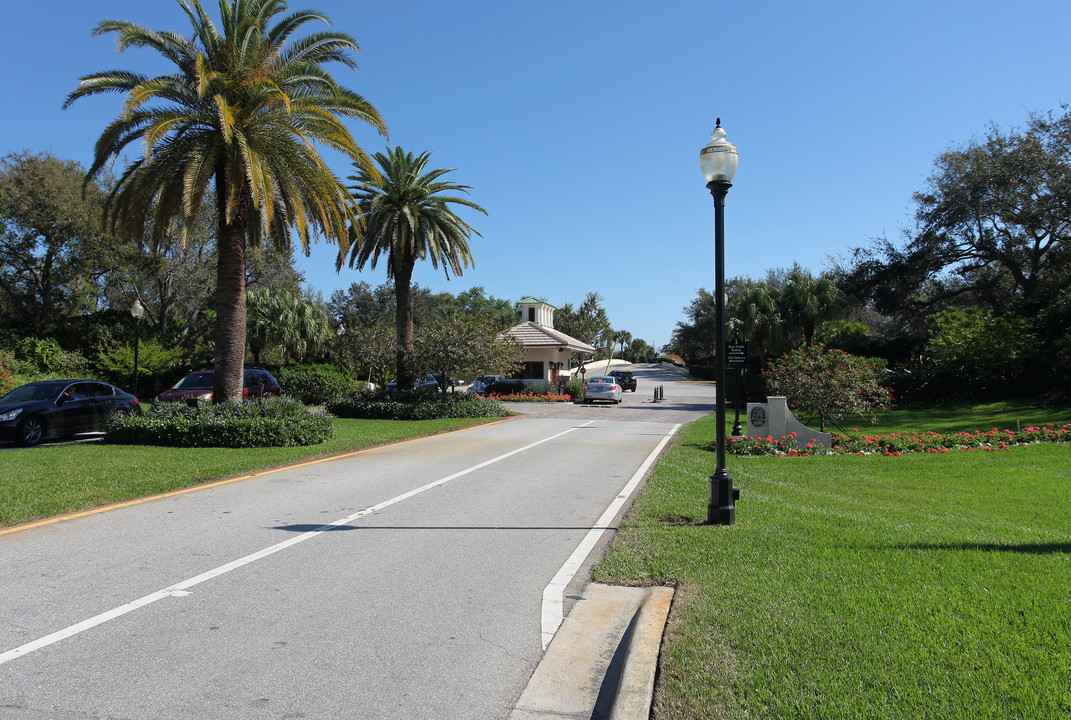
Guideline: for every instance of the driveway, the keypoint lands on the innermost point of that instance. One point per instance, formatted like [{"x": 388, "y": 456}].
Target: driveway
[{"x": 684, "y": 400}]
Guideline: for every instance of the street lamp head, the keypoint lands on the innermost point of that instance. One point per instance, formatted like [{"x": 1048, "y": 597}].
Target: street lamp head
[
  {"x": 718, "y": 159},
  {"x": 137, "y": 310}
]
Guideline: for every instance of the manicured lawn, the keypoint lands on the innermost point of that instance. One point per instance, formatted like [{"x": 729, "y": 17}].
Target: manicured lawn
[
  {"x": 41, "y": 482},
  {"x": 922, "y": 586},
  {"x": 959, "y": 416}
]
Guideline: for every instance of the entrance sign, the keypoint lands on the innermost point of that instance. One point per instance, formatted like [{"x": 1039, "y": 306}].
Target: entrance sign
[{"x": 736, "y": 351}]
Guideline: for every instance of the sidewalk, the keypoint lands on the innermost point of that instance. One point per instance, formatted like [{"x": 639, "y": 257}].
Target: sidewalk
[{"x": 601, "y": 664}]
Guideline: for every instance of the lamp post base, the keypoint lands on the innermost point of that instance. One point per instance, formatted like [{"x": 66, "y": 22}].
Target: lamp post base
[{"x": 722, "y": 510}]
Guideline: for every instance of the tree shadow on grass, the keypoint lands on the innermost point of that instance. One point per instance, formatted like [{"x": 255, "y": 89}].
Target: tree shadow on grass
[{"x": 1023, "y": 548}]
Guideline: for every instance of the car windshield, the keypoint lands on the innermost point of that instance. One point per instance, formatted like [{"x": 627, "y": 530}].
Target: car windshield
[
  {"x": 34, "y": 391},
  {"x": 601, "y": 380},
  {"x": 195, "y": 381}
]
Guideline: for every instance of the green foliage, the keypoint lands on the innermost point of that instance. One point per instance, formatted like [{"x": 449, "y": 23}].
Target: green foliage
[
  {"x": 267, "y": 422},
  {"x": 915, "y": 441},
  {"x": 507, "y": 386},
  {"x": 829, "y": 384},
  {"x": 851, "y": 337},
  {"x": 971, "y": 352},
  {"x": 574, "y": 387},
  {"x": 55, "y": 260},
  {"x": 467, "y": 344},
  {"x": 415, "y": 405},
  {"x": 291, "y": 326},
  {"x": 250, "y": 83},
  {"x": 703, "y": 372},
  {"x": 153, "y": 358},
  {"x": 42, "y": 352},
  {"x": 408, "y": 215},
  {"x": 43, "y": 358},
  {"x": 313, "y": 384},
  {"x": 7, "y": 383},
  {"x": 588, "y": 322}
]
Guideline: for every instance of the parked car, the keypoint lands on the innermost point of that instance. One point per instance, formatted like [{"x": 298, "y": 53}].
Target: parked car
[
  {"x": 197, "y": 386},
  {"x": 50, "y": 408},
  {"x": 602, "y": 387},
  {"x": 425, "y": 381},
  {"x": 625, "y": 379},
  {"x": 479, "y": 385}
]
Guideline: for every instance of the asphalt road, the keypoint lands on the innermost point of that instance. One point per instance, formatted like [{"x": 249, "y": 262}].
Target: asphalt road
[{"x": 404, "y": 582}]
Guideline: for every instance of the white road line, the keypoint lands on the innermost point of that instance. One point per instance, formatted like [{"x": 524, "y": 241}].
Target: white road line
[
  {"x": 553, "y": 614},
  {"x": 181, "y": 589}
]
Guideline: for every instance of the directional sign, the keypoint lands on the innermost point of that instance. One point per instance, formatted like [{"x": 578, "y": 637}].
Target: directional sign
[{"x": 736, "y": 352}]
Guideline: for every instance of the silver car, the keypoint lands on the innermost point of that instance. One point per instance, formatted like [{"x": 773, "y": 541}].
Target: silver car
[{"x": 602, "y": 388}]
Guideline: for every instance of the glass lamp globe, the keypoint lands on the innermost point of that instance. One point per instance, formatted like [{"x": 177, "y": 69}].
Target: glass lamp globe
[{"x": 719, "y": 158}]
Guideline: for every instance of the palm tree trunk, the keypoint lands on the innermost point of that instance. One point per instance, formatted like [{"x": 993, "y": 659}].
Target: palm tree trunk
[
  {"x": 403, "y": 278},
  {"x": 230, "y": 302}
]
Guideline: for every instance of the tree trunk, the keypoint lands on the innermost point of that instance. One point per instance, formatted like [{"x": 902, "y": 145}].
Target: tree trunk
[
  {"x": 230, "y": 301},
  {"x": 403, "y": 278}
]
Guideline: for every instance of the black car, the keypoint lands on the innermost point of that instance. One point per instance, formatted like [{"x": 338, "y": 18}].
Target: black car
[
  {"x": 50, "y": 408},
  {"x": 625, "y": 379}
]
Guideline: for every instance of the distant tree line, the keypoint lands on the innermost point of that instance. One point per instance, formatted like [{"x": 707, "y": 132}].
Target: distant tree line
[{"x": 974, "y": 301}]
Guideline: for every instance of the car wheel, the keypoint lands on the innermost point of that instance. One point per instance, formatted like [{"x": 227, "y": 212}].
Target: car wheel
[{"x": 31, "y": 431}]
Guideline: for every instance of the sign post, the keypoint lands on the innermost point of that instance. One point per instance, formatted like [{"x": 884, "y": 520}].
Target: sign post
[{"x": 736, "y": 354}]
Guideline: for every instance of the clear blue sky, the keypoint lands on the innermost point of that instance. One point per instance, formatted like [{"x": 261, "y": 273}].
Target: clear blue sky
[{"x": 579, "y": 124}]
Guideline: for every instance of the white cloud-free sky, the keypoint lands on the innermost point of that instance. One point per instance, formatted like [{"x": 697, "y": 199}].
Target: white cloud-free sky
[{"x": 579, "y": 124}]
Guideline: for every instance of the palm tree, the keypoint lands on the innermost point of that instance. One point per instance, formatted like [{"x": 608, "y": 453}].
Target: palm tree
[
  {"x": 806, "y": 301},
  {"x": 241, "y": 110},
  {"x": 754, "y": 313},
  {"x": 408, "y": 217},
  {"x": 295, "y": 325}
]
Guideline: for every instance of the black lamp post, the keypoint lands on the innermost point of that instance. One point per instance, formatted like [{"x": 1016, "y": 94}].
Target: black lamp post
[
  {"x": 738, "y": 429},
  {"x": 136, "y": 311},
  {"x": 718, "y": 161}
]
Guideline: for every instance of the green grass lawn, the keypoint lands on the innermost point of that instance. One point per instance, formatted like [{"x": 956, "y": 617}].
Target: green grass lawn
[
  {"x": 52, "y": 480},
  {"x": 922, "y": 586},
  {"x": 959, "y": 416}
]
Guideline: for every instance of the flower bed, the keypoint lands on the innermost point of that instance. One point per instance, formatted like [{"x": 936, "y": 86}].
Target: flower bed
[
  {"x": 532, "y": 397},
  {"x": 899, "y": 443}
]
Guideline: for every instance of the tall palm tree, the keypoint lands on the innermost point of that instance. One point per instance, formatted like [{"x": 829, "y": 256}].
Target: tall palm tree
[
  {"x": 408, "y": 217},
  {"x": 241, "y": 110}
]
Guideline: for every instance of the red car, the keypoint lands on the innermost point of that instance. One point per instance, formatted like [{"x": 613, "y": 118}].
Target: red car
[{"x": 197, "y": 386}]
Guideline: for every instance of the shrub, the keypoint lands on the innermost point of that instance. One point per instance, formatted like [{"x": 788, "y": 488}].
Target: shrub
[
  {"x": 313, "y": 384},
  {"x": 703, "y": 372},
  {"x": 7, "y": 383},
  {"x": 268, "y": 422},
  {"x": 415, "y": 405},
  {"x": 506, "y": 387},
  {"x": 574, "y": 388},
  {"x": 917, "y": 441},
  {"x": 828, "y": 383},
  {"x": 37, "y": 359}
]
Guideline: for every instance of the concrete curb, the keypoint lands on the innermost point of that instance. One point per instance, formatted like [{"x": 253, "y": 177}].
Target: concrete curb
[{"x": 601, "y": 663}]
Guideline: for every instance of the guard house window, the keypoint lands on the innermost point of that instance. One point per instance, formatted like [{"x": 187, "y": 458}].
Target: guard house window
[
  {"x": 533, "y": 369},
  {"x": 531, "y": 314}
]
